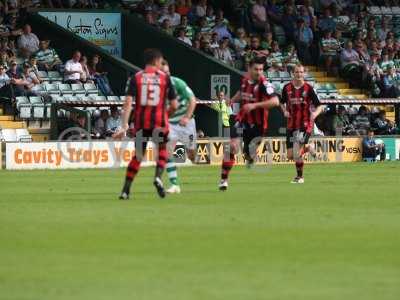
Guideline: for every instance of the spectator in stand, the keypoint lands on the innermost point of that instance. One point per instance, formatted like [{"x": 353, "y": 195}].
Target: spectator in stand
[
  {"x": 240, "y": 43},
  {"x": 99, "y": 75},
  {"x": 204, "y": 28},
  {"x": 100, "y": 124},
  {"x": 372, "y": 75},
  {"x": 327, "y": 23},
  {"x": 34, "y": 67},
  {"x": 5, "y": 88},
  {"x": 290, "y": 59},
  {"x": 210, "y": 16},
  {"x": 383, "y": 30},
  {"x": 47, "y": 58},
  {"x": 30, "y": 80},
  {"x": 183, "y": 7},
  {"x": 172, "y": 16},
  {"x": 214, "y": 42},
  {"x": 196, "y": 44},
  {"x": 205, "y": 47},
  {"x": 304, "y": 38},
  {"x": 17, "y": 83},
  {"x": 391, "y": 83},
  {"x": 386, "y": 63},
  {"x": 241, "y": 15},
  {"x": 4, "y": 59},
  {"x": 329, "y": 52},
  {"x": 306, "y": 16},
  {"x": 166, "y": 27},
  {"x": 371, "y": 149},
  {"x": 28, "y": 42},
  {"x": 275, "y": 59},
  {"x": 223, "y": 53},
  {"x": 188, "y": 28},
  {"x": 200, "y": 9},
  {"x": 86, "y": 76},
  {"x": 113, "y": 123},
  {"x": 149, "y": 18},
  {"x": 341, "y": 124},
  {"x": 73, "y": 69},
  {"x": 350, "y": 62},
  {"x": 383, "y": 125},
  {"x": 221, "y": 28},
  {"x": 361, "y": 122},
  {"x": 266, "y": 41},
  {"x": 181, "y": 35},
  {"x": 259, "y": 16},
  {"x": 289, "y": 24}
]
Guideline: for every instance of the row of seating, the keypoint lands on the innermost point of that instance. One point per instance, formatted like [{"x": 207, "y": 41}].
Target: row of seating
[
  {"x": 15, "y": 135},
  {"x": 59, "y": 88},
  {"x": 383, "y": 10},
  {"x": 50, "y": 76},
  {"x": 35, "y": 107}
]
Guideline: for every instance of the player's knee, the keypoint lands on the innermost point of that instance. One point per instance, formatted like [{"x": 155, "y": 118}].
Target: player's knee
[
  {"x": 234, "y": 147},
  {"x": 191, "y": 155}
]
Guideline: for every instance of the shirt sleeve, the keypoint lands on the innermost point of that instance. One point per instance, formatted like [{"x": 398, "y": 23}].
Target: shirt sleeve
[
  {"x": 131, "y": 87},
  {"x": 267, "y": 89},
  {"x": 284, "y": 99},
  {"x": 171, "y": 89},
  {"x": 314, "y": 98}
]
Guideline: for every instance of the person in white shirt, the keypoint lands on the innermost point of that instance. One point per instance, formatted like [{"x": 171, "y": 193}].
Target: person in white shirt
[
  {"x": 172, "y": 15},
  {"x": 28, "y": 42},
  {"x": 182, "y": 36},
  {"x": 73, "y": 69},
  {"x": 113, "y": 123},
  {"x": 100, "y": 124}
]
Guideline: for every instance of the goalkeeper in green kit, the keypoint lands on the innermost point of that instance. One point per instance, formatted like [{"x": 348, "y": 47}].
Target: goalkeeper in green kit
[{"x": 182, "y": 128}]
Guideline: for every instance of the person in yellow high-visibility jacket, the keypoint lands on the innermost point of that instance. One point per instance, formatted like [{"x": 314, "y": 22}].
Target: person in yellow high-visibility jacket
[{"x": 223, "y": 107}]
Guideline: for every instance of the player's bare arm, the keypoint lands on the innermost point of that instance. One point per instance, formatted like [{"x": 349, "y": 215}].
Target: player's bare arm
[
  {"x": 173, "y": 106},
  {"x": 126, "y": 112},
  {"x": 267, "y": 104},
  {"x": 316, "y": 112},
  {"x": 284, "y": 110},
  {"x": 189, "y": 113},
  {"x": 236, "y": 98}
]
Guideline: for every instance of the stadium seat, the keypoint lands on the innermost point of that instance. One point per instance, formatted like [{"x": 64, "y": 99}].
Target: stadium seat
[
  {"x": 122, "y": 98},
  {"x": 77, "y": 89},
  {"x": 113, "y": 98},
  {"x": 284, "y": 75},
  {"x": 24, "y": 107},
  {"x": 23, "y": 135},
  {"x": 8, "y": 135},
  {"x": 38, "y": 107},
  {"x": 52, "y": 88},
  {"x": 91, "y": 88},
  {"x": 65, "y": 89},
  {"x": 56, "y": 98},
  {"x": 69, "y": 98},
  {"x": 39, "y": 89},
  {"x": 83, "y": 98},
  {"x": 98, "y": 98},
  {"x": 43, "y": 75},
  {"x": 54, "y": 76}
]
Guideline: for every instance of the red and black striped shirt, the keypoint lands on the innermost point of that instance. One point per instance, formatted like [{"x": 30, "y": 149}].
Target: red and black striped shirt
[
  {"x": 299, "y": 102},
  {"x": 255, "y": 91},
  {"x": 151, "y": 89}
]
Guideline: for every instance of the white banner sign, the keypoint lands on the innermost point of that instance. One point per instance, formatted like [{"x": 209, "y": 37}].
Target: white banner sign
[
  {"x": 102, "y": 29},
  {"x": 72, "y": 155}
]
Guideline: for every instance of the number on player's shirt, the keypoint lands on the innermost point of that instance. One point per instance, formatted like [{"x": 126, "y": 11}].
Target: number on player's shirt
[{"x": 150, "y": 95}]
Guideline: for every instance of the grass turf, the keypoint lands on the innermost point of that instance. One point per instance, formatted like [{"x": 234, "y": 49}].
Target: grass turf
[{"x": 63, "y": 235}]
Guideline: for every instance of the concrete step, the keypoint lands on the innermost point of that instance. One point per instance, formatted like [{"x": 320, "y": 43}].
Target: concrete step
[
  {"x": 349, "y": 91},
  {"x": 342, "y": 85},
  {"x": 329, "y": 80},
  {"x": 12, "y": 125},
  {"x": 6, "y": 118},
  {"x": 318, "y": 74}
]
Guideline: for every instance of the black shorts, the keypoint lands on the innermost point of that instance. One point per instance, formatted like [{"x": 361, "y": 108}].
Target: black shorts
[
  {"x": 251, "y": 135},
  {"x": 296, "y": 136}
]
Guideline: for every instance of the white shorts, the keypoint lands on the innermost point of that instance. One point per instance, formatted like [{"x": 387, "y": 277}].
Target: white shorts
[{"x": 184, "y": 134}]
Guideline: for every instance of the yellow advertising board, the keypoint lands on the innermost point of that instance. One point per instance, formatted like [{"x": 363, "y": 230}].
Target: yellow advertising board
[{"x": 273, "y": 150}]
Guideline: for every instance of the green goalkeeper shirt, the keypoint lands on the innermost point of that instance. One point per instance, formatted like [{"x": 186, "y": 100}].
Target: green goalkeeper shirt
[{"x": 185, "y": 94}]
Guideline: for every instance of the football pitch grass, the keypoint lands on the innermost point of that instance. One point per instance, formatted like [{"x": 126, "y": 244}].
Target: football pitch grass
[{"x": 63, "y": 235}]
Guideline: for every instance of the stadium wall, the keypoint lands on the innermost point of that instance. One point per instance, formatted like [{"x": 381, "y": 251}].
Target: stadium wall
[
  {"x": 66, "y": 42},
  {"x": 111, "y": 154}
]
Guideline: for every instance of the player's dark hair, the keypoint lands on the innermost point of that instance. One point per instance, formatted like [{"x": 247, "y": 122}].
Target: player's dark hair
[
  {"x": 151, "y": 55},
  {"x": 257, "y": 61}
]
